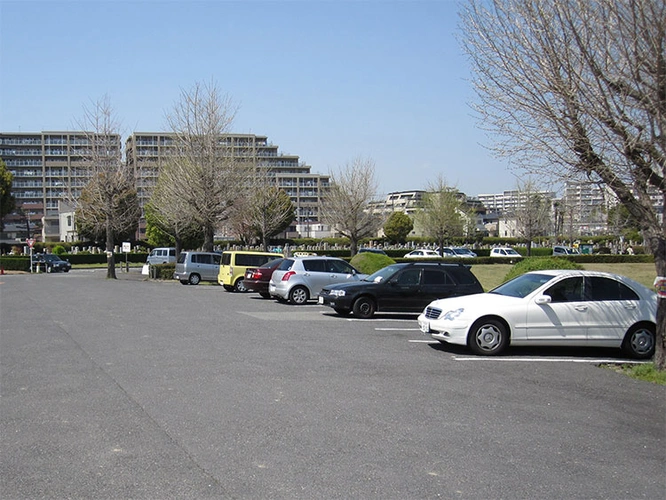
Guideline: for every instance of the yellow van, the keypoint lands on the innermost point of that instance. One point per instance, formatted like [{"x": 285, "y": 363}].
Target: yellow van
[{"x": 234, "y": 264}]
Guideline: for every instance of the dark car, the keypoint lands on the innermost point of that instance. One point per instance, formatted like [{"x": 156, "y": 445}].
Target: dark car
[
  {"x": 405, "y": 287},
  {"x": 49, "y": 263},
  {"x": 257, "y": 278}
]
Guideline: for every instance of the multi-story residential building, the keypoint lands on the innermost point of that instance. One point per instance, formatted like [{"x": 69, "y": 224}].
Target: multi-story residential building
[
  {"x": 48, "y": 167},
  {"x": 147, "y": 152}
]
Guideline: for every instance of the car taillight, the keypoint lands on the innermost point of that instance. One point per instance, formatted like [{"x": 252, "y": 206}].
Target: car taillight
[
  {"x": 288, "y": 275},
  {"x": 256, "y": 275}
]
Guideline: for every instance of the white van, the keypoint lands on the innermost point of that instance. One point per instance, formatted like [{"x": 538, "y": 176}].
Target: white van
[{"x": 165, "y": 255}]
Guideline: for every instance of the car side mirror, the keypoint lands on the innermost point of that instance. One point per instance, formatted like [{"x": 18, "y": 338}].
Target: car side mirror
[{"x": 543, "y": 299}]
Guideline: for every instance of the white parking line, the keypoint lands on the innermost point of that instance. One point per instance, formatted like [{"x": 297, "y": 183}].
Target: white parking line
[{"x": 397, "y": 329}]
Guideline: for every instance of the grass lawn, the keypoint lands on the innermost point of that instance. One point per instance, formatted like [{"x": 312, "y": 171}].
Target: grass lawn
[{"x": 492, "y": 275}]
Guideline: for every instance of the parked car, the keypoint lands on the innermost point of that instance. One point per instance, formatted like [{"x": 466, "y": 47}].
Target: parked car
[
  {"x": 563, "y": 251},
  {"x": 194, "y": 267},
  {"x": 258, "y": 278},
  {"x": 163, "y": 255},
  {"x": 549, "y": 308},
  {"x": 371, "y": 250},
  {"x": 234, "y": 264},
  {"x": 504, "y": 252},
  {"x": 50, "y": 263},
  {"x": 459, "y": 252},
  {"x": 300, "y": 279},
  {"x": 422, "y": 253},
  {"x": 405, "y": 287}
]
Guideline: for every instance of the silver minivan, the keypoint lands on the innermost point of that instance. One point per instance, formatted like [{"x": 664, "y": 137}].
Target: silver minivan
[
  {"x": 194, "y": 267},
  {"x": 164, "y": 255}
]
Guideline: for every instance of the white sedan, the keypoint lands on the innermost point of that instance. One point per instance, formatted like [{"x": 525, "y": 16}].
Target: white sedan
[
  {"x": 549, "y": 308},
  {"x": 422, "y": 254}
]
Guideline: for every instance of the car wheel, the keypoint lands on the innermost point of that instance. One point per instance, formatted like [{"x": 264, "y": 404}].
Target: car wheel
[
  {"x": 298, "y": 295},
  {"x": 240, "y": 286},
  {"x": 184, "y": 282},
  {"x": 364, "y": 307},
  {"x": 194, "y": 279},
  {"x": 342, "y": 312},
  {"x": 639, "y": 342},
  {"x": 228, "y": 288},
  {"x": 487, "y": 337},
  {"x": 265, "y": 295}
]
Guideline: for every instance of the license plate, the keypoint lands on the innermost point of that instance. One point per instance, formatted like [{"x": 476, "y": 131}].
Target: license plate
[
  {"x": 425, "y": 327},
  {"x": 321, "y": 300}
]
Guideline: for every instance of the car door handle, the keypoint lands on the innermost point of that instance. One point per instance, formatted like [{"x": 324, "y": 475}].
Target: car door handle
[
  {"x": 630, "y": 306},
  {"x": 581, "y": 308}
]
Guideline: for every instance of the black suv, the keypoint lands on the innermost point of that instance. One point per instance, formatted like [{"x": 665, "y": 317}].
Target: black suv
[
  {"x": 407, "y": 287},
  {"x": 49, "y": 263}
]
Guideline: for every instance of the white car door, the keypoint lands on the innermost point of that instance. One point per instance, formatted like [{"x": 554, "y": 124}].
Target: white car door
[
  {"x": 565, "y": 317},
  {"x": 614, "y": 307}
]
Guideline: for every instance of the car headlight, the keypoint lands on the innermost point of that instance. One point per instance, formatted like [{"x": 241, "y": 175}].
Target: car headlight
[
  {"x": 451, "y": 315},
  {"x": 338, "y": 293}
]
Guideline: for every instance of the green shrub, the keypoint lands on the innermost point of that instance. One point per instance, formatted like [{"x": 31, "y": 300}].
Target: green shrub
[
  {"x": 162, "y": 271},
  {"x": 539, "y": 264},
  {"x": 59, "y": 250},
  {"x": 368, "y": 262}
]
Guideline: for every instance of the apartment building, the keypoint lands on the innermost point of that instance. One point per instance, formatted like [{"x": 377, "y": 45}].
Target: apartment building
[
  {"x": 48, "y": 168},
  {"x": 147, "y": 152}
]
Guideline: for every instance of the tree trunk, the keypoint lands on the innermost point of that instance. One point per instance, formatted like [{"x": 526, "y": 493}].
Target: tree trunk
[
  {"x": 657, "y": 245},
  {"x": 110, "y": 258},
  {"x": 208, "y": 239}
]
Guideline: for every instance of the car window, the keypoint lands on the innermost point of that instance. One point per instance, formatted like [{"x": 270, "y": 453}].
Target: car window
[
  {"x": 567, "y": 290},
  {"x": 216, "y": 259},
  {"x": 436, "y": 277},
  {"x": 600, "y": 288},
  {"x": 182, "y": 257},
  {"x": 226, "y": 259},
  {"x": 409, "y": 277},
  {"x": 340, "y": 267},
  {"x": 315, "y": 265},
  {"x": 462, "y": 275},
  {"x": 286, "y": 265}
]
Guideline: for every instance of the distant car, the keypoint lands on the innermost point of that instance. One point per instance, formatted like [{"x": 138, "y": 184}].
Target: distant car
[
  {"x": 300, "y": 279},
  {"x": 234, "y": 263},
  {"x": 163, "y": 255},
  {"x": 194, "y": 267},
  {"x": 404, "y": 287},
  {"x": 561, "y": 250},
  {"x": 459, "y": 252},
  {"x": 549, "y": 308},
  {"x": 371, "y": 250},
  {"x": 50, "y": 263},
  {"x": 258, "y": 278},
  {"x": 422, "y": 253},
  {"x": 504, "y": 252}
]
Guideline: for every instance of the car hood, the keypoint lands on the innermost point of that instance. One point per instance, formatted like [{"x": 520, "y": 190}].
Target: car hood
[
  {"x": 348, "y": 285},
  {"x": 489, "y": 301}
]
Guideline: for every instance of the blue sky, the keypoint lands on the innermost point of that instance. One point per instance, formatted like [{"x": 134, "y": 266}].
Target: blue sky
[{"x": 326, "y": 80}]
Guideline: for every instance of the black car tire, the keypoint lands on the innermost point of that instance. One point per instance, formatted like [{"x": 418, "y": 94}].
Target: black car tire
[
  {"x": 265, "y": 295},
  {"x": 240, "y": 286},
  {"x": 364, "y": 308},
  {"x": 342, "y": 312},
  {"x": 194, "y": 279},
  {"x": 488, "y": 337},
  {"x": 298, "y": 295},
  {"x": 228, "y": 288},
  {"x": 639, "y": 341}
]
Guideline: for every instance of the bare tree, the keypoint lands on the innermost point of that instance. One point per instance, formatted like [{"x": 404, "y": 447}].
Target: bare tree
[
  {"x": 533, "y": 212},
  {"x": 210, "y": 171},
  {"x": 168, "y": 209},
  {"x": 346, "y": 205},
  {"x": 108, "y": 204},
  {"x": 577, "y": 88},
  {"x": 441, "y": 213}
]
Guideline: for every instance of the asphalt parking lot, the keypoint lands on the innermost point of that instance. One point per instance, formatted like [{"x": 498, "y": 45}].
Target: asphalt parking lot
[{"x": 141, "y": 389}]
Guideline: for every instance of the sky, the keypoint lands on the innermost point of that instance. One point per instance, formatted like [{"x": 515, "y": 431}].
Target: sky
[{"x": 329, "y": 81}]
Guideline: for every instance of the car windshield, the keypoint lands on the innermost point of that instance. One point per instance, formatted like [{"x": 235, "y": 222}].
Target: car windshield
[
  {"x": 511, "y": 251},
  {"x": 521, "y": 286},
  {"x": 462, "y": 251},
  {"x": 383, "y": 274}
]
